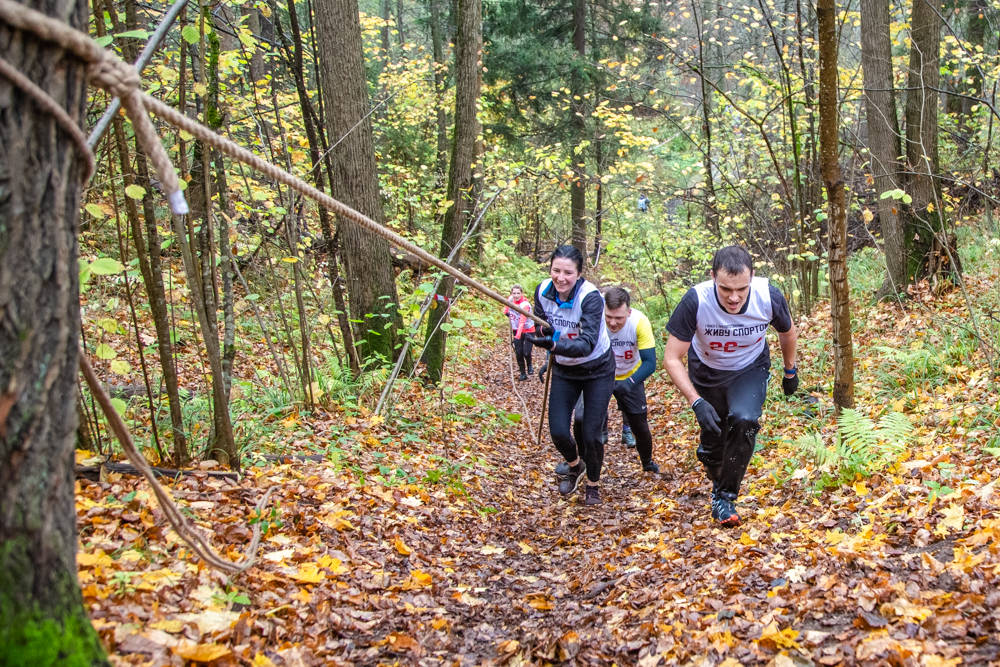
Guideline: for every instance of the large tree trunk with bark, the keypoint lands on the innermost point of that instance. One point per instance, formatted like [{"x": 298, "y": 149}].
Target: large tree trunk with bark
[
  {"x": 371, "y": 283},
  {"x": 468, "y": 48},
  {"x": 829, "y": 128},
  {"x": 440, "y": 88},
  {"x": 883, "y": 136},
  {"x": 578, "y": 123},
  {"x": 42, "y": 619},
  {"x": 928, "y": 248}
]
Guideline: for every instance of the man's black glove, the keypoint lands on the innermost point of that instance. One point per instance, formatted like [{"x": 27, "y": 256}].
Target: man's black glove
[
  {"x": 541, "y": 373},
  {"x": 623, "y": 385},
  {"x": 790, "y": 384},
  {"x": 543, "y": 341},
  {"x": 708, "y": 418}
]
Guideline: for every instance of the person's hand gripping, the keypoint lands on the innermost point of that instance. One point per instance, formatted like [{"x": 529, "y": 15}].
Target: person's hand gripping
[{"x": 545, "y": 340}]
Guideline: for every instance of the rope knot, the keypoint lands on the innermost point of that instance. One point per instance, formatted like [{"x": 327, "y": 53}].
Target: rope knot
[{"x": 114, "y": 76}]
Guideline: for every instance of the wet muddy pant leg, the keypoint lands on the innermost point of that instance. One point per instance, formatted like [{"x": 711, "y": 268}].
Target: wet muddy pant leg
[
  {"x": 563, "y": 395},
  {"x": 596, "y": 396},
  {"x": 639, "y": 423},
  {"x": 711, "y": 446},
  {"x": 740, "y": 404},
  {"x": 522, "y": 351},
  {"x": 746, "y": 403}
]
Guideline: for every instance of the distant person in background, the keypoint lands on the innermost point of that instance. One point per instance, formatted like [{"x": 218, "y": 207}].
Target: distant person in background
[
  {"x": 643, "y": 203},
  {"x": 721, "y": 324},
  {"x": 582, "y": 364},
  {"x": 519, "y": 325}
]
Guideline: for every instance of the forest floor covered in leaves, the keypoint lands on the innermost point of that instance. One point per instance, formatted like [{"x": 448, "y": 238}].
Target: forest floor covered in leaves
[{"x": 438, "y": 536}]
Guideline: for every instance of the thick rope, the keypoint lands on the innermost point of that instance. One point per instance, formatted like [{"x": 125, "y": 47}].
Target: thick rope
[
  {"x": 106, "y": 71},
  {"x": 110, "y": 73},
  {"x": 240, "y": 154},
  {"x": 184, "y": 530},
  {"x": 47, "y": 104}
]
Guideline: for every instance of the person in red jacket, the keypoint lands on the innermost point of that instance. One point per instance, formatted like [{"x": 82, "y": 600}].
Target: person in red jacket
[{"x": 519, "y": 324}]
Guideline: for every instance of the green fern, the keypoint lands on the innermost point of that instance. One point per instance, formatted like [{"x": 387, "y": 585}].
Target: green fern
[{"x": 862, "y": 448}]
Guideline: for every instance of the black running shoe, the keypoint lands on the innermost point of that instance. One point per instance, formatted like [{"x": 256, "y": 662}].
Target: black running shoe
[
  {"x": 650, "y": 466},
  {"x": 592, "y": 496},
  {"x": 571, "y": 480},
  {"x": 628, "y": 439},
  {"x": 724, "y": 513},
  {"x": 523, "y": 377},
  {"x": 531, "y": 371}
]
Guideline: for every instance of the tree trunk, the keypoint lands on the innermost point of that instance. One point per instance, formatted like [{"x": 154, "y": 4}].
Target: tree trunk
[
  {"x": 829, "y": 127},
  {"x": 252, "y": 15},
  {"x": 371, "y": 282},
  {"x": 924, "y": 222},
  {"x": 578, "y": 123},
  {"x": 977, "y": 38},
  {"x": 468, "y": 49},
  {"x": 315, "y": 144},
  {"x": 883, "y": 136},
  {"x": 42, "y": 619},
  {"x": 440, "y": 88}
]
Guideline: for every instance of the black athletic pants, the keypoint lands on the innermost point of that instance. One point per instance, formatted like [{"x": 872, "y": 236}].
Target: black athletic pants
[
  {"x": 522, "y": 350},
  {"x": 637, "y": 421},
  {"x": 739, "y": 404},
  {"x": 563, "y": 395}
]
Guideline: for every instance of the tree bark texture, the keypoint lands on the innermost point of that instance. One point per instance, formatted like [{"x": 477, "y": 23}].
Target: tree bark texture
[
  {"x": 829, "y": 128},
  {"x": 371, "y": 282},
  {"x": 440, "y": 88},
  {"x": 42, "y": 619},
  {"x": 468, "y": 47},
  {"x": 923, "y": 222},
  {"x": 578, "y": 123},
  {"x": 884, "y": 146},
  {"x": 315, "y": 144}
]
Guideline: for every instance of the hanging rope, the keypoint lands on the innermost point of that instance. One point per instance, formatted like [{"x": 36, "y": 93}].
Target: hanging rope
[
  {"x": 121, "y": 80},
  {"x": 106, "y": 71}
]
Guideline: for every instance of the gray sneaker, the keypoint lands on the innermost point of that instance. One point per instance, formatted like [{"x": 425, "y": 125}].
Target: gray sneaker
[
  {"x": 569, "y": 482},
  {"x": 592, "y": 496},
  {"x": 628, "y": 439},
  {"x": 650, "y": 466}
]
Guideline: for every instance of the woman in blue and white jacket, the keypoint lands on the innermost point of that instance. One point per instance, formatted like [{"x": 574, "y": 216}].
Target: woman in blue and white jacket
[{"x": 582, "y": 363}]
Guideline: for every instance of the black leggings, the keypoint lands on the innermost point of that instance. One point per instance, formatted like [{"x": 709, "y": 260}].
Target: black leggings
[
  {"x": 522, "y": 350},
  {"x": 562, "y": 398},
  {"x": 637, "y": 421},
  {"x": 740, "y": 405}
]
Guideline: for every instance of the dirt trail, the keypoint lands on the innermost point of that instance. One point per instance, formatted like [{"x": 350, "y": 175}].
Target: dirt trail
[{"x": 499, "y": 569}]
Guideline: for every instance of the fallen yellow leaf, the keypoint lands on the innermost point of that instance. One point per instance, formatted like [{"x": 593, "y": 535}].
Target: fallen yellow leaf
[
  {"x": 309, "y": 573},
  {"x": 402, "y": 548},
  {"x": 172, "y": 626},
  {"x": 202, "y": 652},
  {"x": 490, "y": 550},
  {"x": 954, "y": 516},
  {"x": 261, "y": 660}
]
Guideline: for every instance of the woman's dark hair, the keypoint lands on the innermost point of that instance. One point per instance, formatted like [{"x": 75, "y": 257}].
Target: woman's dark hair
[
  {"x": 732, "y": 259},
  {"x": 568, "y": 252},
  {"x": 616, "y": 297}
]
